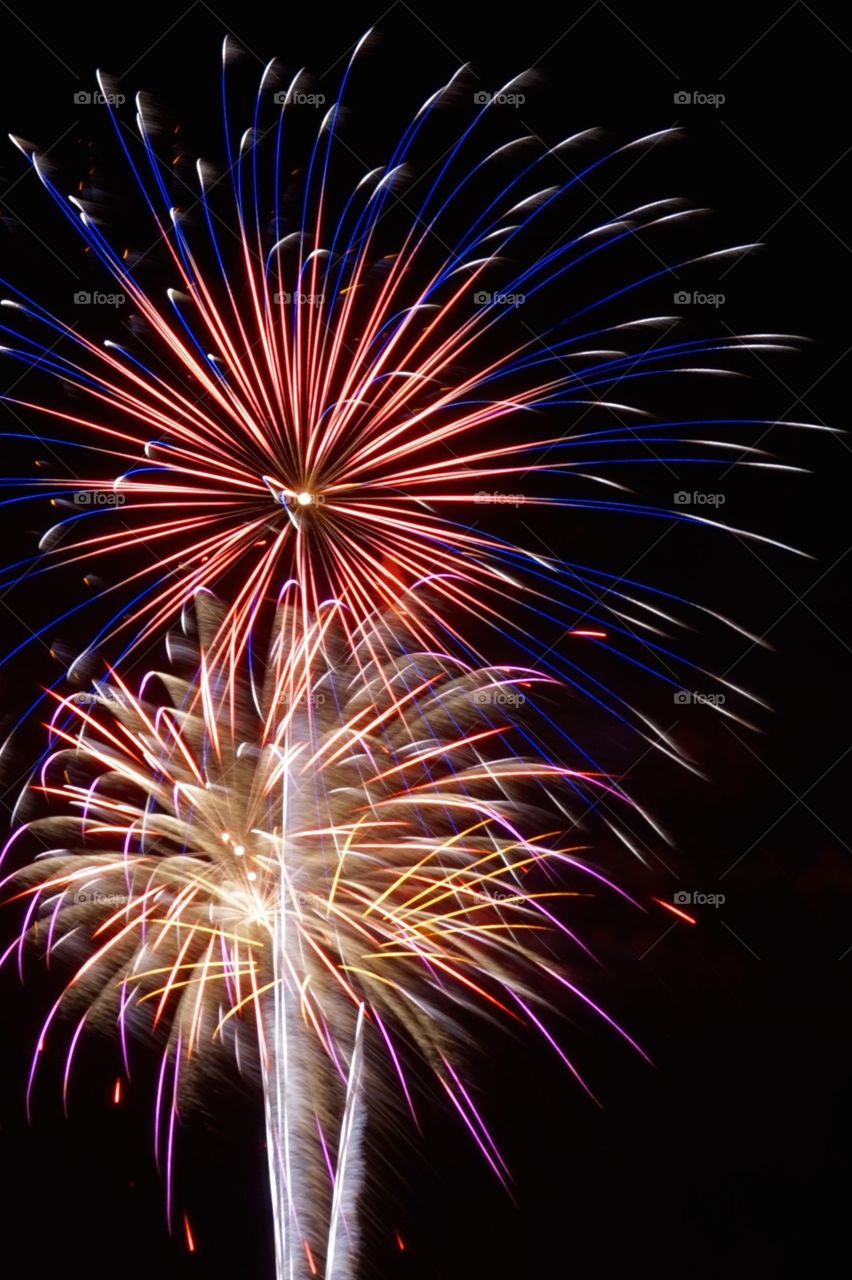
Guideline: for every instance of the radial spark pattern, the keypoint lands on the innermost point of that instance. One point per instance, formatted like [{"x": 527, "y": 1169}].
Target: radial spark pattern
[
  {"x": 355, "y": 364},
  {"x": 363, "y": 865}
]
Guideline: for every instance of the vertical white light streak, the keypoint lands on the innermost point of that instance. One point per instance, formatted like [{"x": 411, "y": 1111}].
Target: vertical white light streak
[{"x": 343, "y": 1236}]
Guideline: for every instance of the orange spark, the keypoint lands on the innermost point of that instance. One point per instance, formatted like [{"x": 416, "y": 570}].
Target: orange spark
[{"x": 675, "y": 911}]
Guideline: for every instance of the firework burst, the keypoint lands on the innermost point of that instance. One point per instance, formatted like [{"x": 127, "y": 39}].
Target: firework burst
[
  {"x": 338, "y": 383},
  {"x": 365, "y": 864}
]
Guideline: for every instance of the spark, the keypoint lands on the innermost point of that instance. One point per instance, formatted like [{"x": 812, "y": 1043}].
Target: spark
[{"x": 676, "y": 911}]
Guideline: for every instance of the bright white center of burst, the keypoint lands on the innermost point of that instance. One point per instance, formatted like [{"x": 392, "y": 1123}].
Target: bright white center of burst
[{"x": 304, "y": 498}]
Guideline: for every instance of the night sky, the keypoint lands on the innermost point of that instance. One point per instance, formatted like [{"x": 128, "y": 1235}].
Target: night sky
[{"x": 730, "y": 1155}]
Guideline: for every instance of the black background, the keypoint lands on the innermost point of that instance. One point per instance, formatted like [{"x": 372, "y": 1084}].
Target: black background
[{"x": 731, "y": 1153}]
